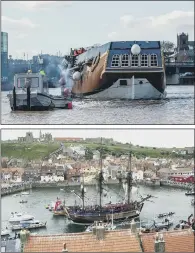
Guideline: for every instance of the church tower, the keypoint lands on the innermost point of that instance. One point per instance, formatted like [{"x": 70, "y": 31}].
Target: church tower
[{"x": 182, "y": 42}]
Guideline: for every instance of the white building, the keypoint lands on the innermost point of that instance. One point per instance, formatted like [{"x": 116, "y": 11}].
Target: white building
[
  {"x": 80, "y": 150},
  {"x": 53, "y": 178},
  {"x": 138, "y": 175}
]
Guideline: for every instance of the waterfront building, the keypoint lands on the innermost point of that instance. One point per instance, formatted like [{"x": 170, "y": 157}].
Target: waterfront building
[{"x": 4, "y": 56}]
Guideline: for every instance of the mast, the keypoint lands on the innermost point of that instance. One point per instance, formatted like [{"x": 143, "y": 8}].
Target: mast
[
  {"x": 129, "y": 179},
  {"x": 101, "y": 177},
  {"x": 83, "y": 192}
]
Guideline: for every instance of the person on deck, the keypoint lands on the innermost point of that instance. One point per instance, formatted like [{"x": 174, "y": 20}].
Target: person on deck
[{"x": 42, "y": 72}]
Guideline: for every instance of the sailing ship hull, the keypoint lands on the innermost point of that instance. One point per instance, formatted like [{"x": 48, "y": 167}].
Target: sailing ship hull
[
  {"x": 105, "y": 217},
  {"x": 110, "y": 79}
]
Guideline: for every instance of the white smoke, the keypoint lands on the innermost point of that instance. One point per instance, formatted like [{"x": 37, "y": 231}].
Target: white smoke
[{"x": 66, "y": 75}]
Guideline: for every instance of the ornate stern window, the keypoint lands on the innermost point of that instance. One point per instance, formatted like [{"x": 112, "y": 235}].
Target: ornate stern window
[
  {"x": 134, "y": 60},
  {"x": 125, "y": 60},
  {"x": 115, "y": 60},
  {"x": 144, "y": 60},
  {"x": 153, "y": 60}
]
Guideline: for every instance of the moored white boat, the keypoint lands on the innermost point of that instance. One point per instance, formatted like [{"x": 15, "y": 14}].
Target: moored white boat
[
  {"x": 25, "y": 193},
  {"x": 28, "y": 225},
  {"x": 17, "y": 217},
  {"x": 5, "y": 232}
]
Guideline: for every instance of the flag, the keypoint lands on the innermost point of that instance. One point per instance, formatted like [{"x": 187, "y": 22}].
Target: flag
[{"x": 57, "y": 204}]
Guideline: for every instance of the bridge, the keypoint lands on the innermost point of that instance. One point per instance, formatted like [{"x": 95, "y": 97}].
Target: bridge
[{"x": 179, "y": 67}]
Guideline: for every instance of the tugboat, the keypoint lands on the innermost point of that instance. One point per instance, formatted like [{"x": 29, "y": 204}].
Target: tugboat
[
  {"x": 119, "y": 70},
  {"x": 31, "y": 92},
  {"x": 105, "y": 213}
]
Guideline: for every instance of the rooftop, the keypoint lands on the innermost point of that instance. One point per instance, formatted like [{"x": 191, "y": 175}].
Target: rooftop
[
  {"x": 115, "y": 241},
  {"x": 175, "y": 241}
]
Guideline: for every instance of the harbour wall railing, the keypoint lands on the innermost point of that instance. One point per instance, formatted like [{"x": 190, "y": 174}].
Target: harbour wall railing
[
  {"x": 14, "y": 188},
  {"x": 177, "y": 184}
]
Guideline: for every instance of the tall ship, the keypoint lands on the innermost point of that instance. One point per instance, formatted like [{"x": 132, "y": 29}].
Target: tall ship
[
  {"x": 119, "y": 70},
  {"x": 107, "y": 212}
]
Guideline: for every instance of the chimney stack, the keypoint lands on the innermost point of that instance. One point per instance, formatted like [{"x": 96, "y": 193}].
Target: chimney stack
[
  {"x": 133, "y": 227},
  {"x": 24, "y": 235},
  {"x": 99, "y": 231},
  {"x": 64, "y": 249},
  {"x": 159, "y": 243}
]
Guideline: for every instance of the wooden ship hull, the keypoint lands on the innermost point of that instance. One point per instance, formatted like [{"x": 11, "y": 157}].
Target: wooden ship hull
[
  {"x": 111, "y": 71},
  {"x": 104, "y": 216}
]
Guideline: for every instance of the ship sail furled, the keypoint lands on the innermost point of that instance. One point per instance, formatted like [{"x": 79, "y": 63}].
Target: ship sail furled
[{"x": 129, "y": 189}]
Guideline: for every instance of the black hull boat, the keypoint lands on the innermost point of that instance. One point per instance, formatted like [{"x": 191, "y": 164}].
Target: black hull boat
[
  {"x": 190, "y": 193},
  {"x": 162, "y": 215},
  {"x": 104, "y": 216}
]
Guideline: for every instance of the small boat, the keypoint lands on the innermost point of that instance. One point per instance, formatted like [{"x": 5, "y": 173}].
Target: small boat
[
  {"x": 31, "y": 93},
  {"x": 23, "y": 201},
  {"x": 107, "y": 226},
  {"x": 156, "y": 226},
  {"x": 193, "y": 202},
  {"x": 29, "y": 225},
  {"x": 61, "y": 189},
  {"x": 25, "y": 193},
  {"x": 5, "y": 232},
  {"x": 162, "y": 215},
  {"x": 17, "y": 217},
  {"x": 59, "y": 209},
  {"x": 190, "y": 192}
]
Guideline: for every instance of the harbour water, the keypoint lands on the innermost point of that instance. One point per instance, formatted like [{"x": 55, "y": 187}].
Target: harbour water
[
  {"x": 166, "y": 200},
  {"x": 177, "y": 108}
]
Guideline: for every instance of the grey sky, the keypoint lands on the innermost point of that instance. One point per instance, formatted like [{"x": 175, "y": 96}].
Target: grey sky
[
  {"x": 154, "y": 138},
  {"x": 53, "y": 26}
]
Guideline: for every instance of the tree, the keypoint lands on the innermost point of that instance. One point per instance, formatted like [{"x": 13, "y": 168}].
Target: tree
[
  {"x": 104, "y": 151},
  {"x": 88, "y": 154},
  {"x": 167, "y": 46}
]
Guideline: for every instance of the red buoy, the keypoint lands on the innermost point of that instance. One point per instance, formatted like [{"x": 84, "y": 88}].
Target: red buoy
[{"x": 69, "y": 105}]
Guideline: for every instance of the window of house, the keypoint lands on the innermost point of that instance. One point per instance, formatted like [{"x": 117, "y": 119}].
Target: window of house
[
  {"x": 115, "y": 60},
  {"x": 153, "y": 60},
  {"x": 135, "y": 60},
  {"x": 125, "y": 60},
  {"x": 144, "y": 60}
]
